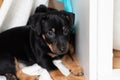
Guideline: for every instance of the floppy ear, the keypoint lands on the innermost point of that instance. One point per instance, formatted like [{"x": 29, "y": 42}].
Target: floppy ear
[
  {"x": 35, "y": 22},
  {"x": 70, "y": 17},
  {"x": 44, "y": 9},
  {"x": 41, "y": 8}
]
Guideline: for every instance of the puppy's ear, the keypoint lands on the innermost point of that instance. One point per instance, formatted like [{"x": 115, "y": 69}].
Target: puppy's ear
[
  {"x": 41, "y": 8},
  {"x": 35, "y": 22},
  {"x": 70, "y": 17},
  {"x": 44, "y": 9}
]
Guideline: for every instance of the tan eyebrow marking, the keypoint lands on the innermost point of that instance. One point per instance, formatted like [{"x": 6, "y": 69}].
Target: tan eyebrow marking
[
  {"x": 53, "y": 29},
  {"x": 63, "y": 27},
  {"x": 43, "y": 36}
]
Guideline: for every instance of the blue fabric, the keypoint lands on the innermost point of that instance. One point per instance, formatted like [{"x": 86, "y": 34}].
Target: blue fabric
[{"x": 67, "y": 5}]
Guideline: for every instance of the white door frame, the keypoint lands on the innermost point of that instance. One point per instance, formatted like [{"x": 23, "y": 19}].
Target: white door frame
[
  {"x": 105, "y": 38},
  {"x": 105, "y": 41},
  {"x": 100, "y": 41},
  {"x": 95, "y": 38}
]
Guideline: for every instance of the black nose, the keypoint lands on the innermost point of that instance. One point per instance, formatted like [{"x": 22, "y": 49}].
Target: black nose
[{"x": 63, "y": 49}]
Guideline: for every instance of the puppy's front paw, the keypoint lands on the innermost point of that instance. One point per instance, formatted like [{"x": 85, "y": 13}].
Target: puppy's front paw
[
  {"x": 73, "y": 77},
  {"x": 77, "y": 71},
  {"x": 60, "y": 78}
]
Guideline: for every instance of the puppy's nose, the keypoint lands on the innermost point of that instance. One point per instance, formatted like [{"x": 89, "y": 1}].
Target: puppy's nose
[{"x": 63, "y": 49}]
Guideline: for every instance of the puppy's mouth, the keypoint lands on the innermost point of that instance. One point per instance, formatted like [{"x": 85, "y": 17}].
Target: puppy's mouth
[
  {"x": 58, "y": 52},
  {"x": 55, "y": 50}
]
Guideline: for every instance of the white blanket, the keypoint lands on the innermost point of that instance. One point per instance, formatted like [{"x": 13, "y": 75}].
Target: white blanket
[
  {"x": 15, "y": 13},
  {"x": 44, "y": 75},
  {"x": 37, "y": 70}
]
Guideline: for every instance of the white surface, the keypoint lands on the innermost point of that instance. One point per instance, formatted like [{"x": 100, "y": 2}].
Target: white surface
[
  {"x": 116, "y": 25},
  {"x": 61, "y": 67},
  {"x": 37, "y": 70},
  {"x": 81, "y": 8},
  {"x": 115, "y": 75},
  {"x": 4, "y": 10},
  {"x": 14, "y": 13},
  {"x": 3, "y": 78},
  {"x": 44, "y": 75},
  {"x": 18, "y": 14},
  {"x": 32, "y": 70},
  {"x": 93, "y": 41},
  {"x": 105, "y": 37}
]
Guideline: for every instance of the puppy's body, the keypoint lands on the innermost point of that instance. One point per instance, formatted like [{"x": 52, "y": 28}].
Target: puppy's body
[{"x": 20, "y": 43}]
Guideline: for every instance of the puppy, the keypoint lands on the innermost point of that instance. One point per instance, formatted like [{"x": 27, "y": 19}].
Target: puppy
[
  {"x": 70, "y": 60},
  {"x": 45, "y": 38}
]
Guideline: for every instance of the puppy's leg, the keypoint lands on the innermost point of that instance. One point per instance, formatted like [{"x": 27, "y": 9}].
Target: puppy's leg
[
  {"x": 57, "y": 75},
  {"x": 73, "y": 77},
  {"x": 22, "y": 76},
  {"x": 10, "y": 76},
  {"x": 72, "y": 63}
]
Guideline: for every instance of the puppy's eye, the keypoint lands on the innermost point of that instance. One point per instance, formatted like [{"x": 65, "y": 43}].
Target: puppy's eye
[
  {"x": 66, "y": 31},
  {"x": 50, "y": 34}
]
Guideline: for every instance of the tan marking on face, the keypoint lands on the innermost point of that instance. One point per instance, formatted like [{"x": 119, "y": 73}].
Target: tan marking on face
[
  {"x": 71, "y": 48},
  {"x": 63, "y": 28},
  {"x": 43, "y": 36},
  {"x": 21, "y": 75},
  {"x": 50, "y": 46},
  {"x": 54, "y": 47},
  {"x": 68, "y": 45},
  {"x": 67, "y": 17},
  {"x": 53, "y": 29},
  {"x": 52, "y": 55}
]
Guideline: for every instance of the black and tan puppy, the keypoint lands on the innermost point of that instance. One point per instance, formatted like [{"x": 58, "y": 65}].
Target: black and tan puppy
[{"x": 45, "y": 38}]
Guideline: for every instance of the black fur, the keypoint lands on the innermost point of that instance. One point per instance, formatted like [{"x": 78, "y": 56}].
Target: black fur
[{"x": 29, "y": 44}]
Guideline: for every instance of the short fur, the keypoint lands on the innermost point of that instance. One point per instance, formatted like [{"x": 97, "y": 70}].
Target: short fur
[{"x": 45, "y": 38}]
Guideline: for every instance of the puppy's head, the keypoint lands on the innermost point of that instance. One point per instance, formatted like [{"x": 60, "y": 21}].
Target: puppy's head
[{"x": 54, "y": 27}]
